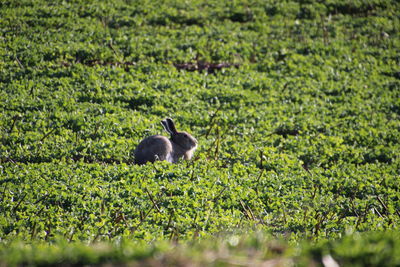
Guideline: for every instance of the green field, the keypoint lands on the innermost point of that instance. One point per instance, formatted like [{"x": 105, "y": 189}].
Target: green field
[{"x": 295, "y": 104}]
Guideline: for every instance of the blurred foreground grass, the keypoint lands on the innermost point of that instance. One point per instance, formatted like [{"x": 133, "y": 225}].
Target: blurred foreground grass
[{"x": 372, "y": 249}]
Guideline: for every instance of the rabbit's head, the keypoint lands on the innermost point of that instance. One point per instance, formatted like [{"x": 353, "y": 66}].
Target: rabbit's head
[{"x": 182, "y": 139}]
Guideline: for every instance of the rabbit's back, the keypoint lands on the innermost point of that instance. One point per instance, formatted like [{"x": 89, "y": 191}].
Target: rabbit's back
[{"x": 156, "y": 147}]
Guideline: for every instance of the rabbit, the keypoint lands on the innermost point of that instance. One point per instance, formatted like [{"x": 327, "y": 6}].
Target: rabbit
[{"x": 158, "y": 147}]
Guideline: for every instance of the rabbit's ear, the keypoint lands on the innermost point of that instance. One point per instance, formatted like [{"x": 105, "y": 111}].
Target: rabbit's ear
[
  {"x": 165, "y": 125},
  {"x": 171, "y": 125}
]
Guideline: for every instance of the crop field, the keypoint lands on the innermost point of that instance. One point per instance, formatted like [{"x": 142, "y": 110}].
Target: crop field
[{"x": 295, "y": 105}]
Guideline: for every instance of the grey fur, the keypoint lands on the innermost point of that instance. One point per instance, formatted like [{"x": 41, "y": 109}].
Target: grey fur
[{"x": 157, "y": 147}]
